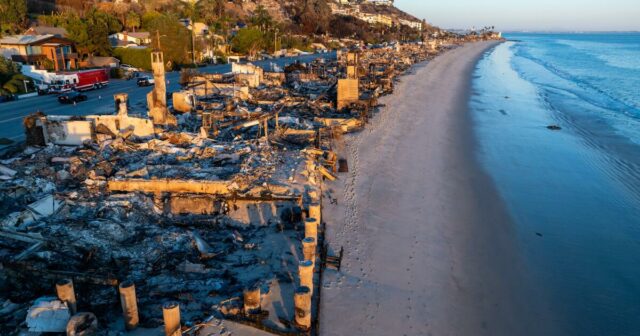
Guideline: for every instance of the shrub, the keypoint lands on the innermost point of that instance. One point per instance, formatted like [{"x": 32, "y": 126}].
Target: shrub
[
  {"x": 139, "y": 58},
  {"x": 117, "y": 73}
]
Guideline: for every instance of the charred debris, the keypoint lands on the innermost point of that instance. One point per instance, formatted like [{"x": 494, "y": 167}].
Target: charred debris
[{"x": 202, "y": 217}]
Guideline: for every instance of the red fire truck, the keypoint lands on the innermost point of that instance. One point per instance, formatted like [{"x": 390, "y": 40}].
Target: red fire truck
[{"x": 79, "y": 80}]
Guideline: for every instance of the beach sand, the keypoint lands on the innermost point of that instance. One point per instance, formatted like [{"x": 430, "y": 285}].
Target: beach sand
[{"x": 429, "y": 247}]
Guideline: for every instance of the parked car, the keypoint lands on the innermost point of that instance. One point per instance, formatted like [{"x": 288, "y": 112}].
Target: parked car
[
  {"x": 71, "y": 97},
  {"x": 127, "y": 67},
  {"x": 146, "y": 81}
]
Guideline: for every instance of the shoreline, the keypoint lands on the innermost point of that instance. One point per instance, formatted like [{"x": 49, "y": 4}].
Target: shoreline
[{"x": 429, "y": 245}]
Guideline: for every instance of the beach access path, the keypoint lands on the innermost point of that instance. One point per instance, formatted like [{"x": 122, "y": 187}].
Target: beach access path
[{"x": 428, "y": 247}]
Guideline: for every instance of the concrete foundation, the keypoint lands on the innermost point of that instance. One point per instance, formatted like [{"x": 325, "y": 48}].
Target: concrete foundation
[
  {"x": 171, "y": 317},
  {"x": 66, "y": 294},
  {"x": 129, "y": 304},
  {"x": 302, "y": 303},
  {"x": 251, "y": 298},
  {"x": 305, "y": 272}
]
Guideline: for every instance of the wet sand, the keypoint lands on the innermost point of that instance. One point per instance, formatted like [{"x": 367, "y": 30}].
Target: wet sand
[{"x": 429, "y": 246}]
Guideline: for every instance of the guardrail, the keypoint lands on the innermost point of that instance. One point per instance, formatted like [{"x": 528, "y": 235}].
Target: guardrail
[{"x": 27, "y": 95}]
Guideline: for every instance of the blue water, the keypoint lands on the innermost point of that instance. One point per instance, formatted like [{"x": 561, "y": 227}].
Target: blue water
[{"x": 573, "y": 194}]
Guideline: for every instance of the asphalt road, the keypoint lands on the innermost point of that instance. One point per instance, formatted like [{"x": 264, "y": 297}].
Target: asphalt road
[{"x": 101, "y": 101}]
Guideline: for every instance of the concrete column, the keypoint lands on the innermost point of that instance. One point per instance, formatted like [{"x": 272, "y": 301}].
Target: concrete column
[
  {"x": 252, "y": 300},
  {"x": 315, "y": 211},
  {"x": 311, "y": 228},
  {"x": 309, "y": 249},
  {"x": 171, "y": 316},
  {"x": 129, "y": 304},
  {"x": 305, "y": 273},
  {"x": 66, "y": 293},
  {"x": 302, "y": 303}
]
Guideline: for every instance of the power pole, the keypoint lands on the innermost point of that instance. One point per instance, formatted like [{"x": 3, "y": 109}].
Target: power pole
[
  {"x": 158, "y": 38},
  {"x": 193, "y": 43},
  {"x": 275, "y": 42}
]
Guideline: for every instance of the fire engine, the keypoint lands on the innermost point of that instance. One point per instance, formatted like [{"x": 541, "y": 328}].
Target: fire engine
[{"x": 79, "y": 80}]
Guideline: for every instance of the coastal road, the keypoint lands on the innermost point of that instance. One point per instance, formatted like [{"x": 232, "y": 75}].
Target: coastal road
[
  {"x": 429, "y": 247},
  {"x": 101, "y": 101}
]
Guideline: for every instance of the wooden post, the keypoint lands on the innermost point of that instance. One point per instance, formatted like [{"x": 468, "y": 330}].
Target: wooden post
[
  {"x": 171, "y": 316},
  {"x": 315, "y": 211},
  {"x": 302, "y": 303},
  {"x": 66, "y": 293},
  {"x": 309, "y": 249},
  {"x": 311, "y": 228},
  {"x": 305, "y": 272},
  {"x": 252, "y": 300},
  {"x": 129, "y": 304}
]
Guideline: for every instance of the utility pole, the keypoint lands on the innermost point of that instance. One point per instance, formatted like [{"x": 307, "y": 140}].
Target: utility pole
[
  {"x": 158, "y": 38},
  {"x": 193, "y": 43},
  {"x": 275, "y": 42}
]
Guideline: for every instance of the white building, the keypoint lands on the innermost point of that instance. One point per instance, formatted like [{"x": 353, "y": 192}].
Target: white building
[
  {"x": 380, "y": 2},
  {"x": 412, "y": 24},
  {"x": 126, "y": 39}
]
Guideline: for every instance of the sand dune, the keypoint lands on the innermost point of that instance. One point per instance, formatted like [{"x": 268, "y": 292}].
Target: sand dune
[{"x": 429, "y": 248}]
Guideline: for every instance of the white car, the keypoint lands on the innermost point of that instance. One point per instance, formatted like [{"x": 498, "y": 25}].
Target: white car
[
  {"x": 128, "y": 68},
  {"x": 145, "y": 81}
]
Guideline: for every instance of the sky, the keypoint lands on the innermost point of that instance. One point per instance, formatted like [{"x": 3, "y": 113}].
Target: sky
[{"x": 530, "y": 15}]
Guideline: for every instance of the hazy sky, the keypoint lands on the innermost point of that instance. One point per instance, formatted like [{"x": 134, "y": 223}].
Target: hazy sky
[{"x": 572, "y": 15}]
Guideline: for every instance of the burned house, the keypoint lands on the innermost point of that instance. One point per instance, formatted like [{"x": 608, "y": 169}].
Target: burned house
[{"x": 186, "y": 220}]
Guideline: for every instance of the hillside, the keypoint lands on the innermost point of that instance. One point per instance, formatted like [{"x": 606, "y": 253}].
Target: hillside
[{"x": 394, "y": 12}]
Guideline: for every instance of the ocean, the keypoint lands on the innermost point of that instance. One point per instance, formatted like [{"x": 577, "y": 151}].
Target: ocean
[{"x": 573, "y": 193}]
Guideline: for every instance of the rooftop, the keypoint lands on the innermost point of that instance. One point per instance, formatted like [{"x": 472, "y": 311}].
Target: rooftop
[{"x": 24, "y": 39}]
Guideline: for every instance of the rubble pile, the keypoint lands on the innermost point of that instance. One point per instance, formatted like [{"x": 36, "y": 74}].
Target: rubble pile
[{"x": 205, "y": 211}]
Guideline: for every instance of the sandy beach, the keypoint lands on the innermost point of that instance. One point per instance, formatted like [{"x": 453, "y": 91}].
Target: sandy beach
[{"x": 429, "y": 247}]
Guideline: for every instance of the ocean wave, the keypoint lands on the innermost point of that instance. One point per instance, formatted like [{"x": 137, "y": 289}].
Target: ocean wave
[
  {"x": 618, "y": 55},
  {"x": 599, "y": 95}
]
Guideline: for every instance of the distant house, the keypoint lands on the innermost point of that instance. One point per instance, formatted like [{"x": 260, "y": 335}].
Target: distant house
[
  {"x": 40, "y": 50},
  {"x": 318, "y": 46},
  {"x": 376, "y": 18},
  {"x": 380, "y": 2},
  {"x": 127, "y": 39},
  {"x": 412, "y": 24},
  {"x": 200, "y": 29},
  {"x": 46, "y": 30}
]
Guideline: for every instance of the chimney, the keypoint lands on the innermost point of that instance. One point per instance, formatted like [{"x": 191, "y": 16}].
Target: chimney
[{"x": 125, "y": 35}]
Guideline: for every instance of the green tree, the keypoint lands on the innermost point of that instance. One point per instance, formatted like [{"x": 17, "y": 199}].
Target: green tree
[
  {"x": 175, "y": 39},
  {"x": 261, "y": 19},
  {"x": 210, "y": 10},
  {"x": 11, "y": 80},
  {"x": 90, "y": 34},
  {"x": 13, "y": 16},
  {"x": 8, "y": 68},
  {"x": 248, "y": 41},
  {"x": 99, "y": 26},
  {"x": 133, "y": 21},
  {"x": 17, "y": 84}
]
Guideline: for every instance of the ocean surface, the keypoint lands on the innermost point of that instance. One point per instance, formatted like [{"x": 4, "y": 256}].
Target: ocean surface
[{"x": 574, "y": 193}]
